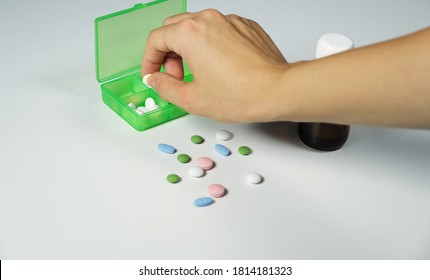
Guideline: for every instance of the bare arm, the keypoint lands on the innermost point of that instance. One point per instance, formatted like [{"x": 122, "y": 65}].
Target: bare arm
[
  {"x": 383, "y": 84},
  {"x": 241, "y": 76}
]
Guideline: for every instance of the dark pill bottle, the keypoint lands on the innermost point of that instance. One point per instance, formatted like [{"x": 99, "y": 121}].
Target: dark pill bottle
[{"x": 326, "y": 136}]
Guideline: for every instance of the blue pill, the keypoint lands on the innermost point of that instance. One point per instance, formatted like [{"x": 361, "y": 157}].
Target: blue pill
[
  {"x": 222, "y": 150},
  {"x": 203, "y": 201},
  {"x": 165, "y": 148}
]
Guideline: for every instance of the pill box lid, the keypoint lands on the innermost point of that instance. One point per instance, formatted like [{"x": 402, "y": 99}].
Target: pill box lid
[{"x": 120, "y": 38}]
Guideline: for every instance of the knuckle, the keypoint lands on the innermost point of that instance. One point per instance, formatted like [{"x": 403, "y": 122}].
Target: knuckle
[
  {"x": 234, "y": 16},
  {"x": 175, "y": 18},
  {"x": 188, "y": 25},
  {"x": 152, "y": 34},
  {"x": 254, "y": 24},
  {"x": 212, "y": 14},
  {"x": 167, "y": 20}
]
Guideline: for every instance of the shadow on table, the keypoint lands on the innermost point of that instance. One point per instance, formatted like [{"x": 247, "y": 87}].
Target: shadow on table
[{"x": 280, "y": 131}]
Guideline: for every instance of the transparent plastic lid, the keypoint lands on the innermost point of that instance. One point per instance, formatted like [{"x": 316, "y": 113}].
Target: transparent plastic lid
[{"x": 121, "y": 36}]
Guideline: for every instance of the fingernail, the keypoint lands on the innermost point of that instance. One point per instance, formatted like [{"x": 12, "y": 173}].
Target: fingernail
[{"x": 145, "y": 80}]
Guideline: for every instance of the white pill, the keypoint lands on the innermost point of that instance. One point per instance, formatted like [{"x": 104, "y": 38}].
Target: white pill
[
  {"x": 149, "y": 103},
  {"x": 154, "y": 108},
  {"x": 132, "y": 105},
  {"x": 196, "y": 172},
  {"x": 145, "y": 80},
  {"x": 223, "y": 135},
  {"x": 254, "y": 178},
  {"x": 141, "y": 110}
]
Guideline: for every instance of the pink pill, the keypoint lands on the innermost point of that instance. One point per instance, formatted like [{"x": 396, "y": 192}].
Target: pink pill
[
  {"x": 205, "y": 163},
  {"x": 216, "y": 190}
]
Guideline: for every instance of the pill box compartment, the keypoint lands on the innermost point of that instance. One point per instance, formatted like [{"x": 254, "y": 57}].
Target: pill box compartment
[{"x": 120, "y": 42}]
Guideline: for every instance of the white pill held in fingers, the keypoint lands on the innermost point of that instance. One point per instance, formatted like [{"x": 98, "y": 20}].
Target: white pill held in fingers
[
  {"x": 150, "y": 103},
  {"x": 254, "y": 178},
  {"x": 196, "y": 172},
  {"x": 145, "y": 80}
]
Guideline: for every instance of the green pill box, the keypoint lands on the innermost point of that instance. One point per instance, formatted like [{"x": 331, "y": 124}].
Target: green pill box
[{"x": 120, "y": 40}]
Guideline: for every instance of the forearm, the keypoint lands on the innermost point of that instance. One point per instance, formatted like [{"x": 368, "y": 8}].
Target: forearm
[
  {"x": 383, "y": 84},
  {"x": 241, "y": 76}
]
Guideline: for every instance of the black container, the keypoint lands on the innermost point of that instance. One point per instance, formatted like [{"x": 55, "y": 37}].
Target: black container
[
  {"x": 323, "y": 136},
  {"x": 327, "y": 136}
]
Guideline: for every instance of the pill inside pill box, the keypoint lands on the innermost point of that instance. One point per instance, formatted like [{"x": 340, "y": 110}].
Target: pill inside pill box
[{"x": 120, "y": 40}]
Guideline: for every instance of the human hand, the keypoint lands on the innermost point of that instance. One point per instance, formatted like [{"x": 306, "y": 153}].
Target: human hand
[{"x": 235, "y": 65}]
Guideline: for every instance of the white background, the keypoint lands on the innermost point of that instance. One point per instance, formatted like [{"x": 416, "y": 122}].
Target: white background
[{"x": 77, "y": 182}]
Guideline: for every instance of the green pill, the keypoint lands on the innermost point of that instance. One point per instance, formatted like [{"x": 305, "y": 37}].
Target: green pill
[
  {"x": 197, "y": 139},
  {"x": 244, "y": 150},
  {"x": 173, "y": 178},
  {"x": 183, "y": 158}
]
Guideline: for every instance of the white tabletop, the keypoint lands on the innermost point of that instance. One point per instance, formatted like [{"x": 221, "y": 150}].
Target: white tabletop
[{"x": 77, "y": 182}]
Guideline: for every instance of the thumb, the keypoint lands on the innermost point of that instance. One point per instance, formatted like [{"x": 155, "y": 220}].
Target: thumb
[{"x": 168, "y": 87}]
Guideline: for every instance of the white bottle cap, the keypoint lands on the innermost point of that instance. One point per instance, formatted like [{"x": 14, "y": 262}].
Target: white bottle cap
[{"x": 332, "y": 43}]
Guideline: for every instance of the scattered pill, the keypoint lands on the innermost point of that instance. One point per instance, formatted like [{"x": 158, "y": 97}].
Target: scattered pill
[
  {"x": 203, "y": 201},
  {"x": 184, "y": 158},
  {"x": 196, "y": 172},
  {"x": 149, "y": 103},
  {"x": 173, "y": 178},
  {"x": 132, "y": 105},
  {"x": 223, "y": 135},
  {"x": 254, "y": 178},
  {"x": 205, "y": 163},
  {"x": 197, "y": 139},
  {"x": 145, "y": 80},
  {"x": 245, "y": 151},
  {"x": 216, "y": 190},
  {"x": 222, "y": 150},
  {"x": 165, "y": 148},
  {"x": 141, "y": 110}
]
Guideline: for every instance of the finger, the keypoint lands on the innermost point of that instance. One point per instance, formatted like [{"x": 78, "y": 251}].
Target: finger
[
  {"x": 158, "y": 46},
  {"x": 177, "y": 18},
  {"x": 171, "y": 38},
  {"x": 169, "y": 88},
  {"x": 173, "y": 66}
]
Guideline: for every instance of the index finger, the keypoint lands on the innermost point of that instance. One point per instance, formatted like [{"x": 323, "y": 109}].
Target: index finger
[
  {"x": 176, "y": 18},
  {"x": 160, "y": 43}
]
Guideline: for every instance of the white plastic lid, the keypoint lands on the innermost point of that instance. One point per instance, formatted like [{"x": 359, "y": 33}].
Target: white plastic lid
[{"x": 333, "y": 43}]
